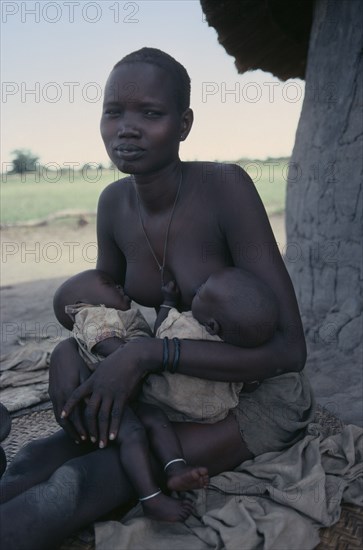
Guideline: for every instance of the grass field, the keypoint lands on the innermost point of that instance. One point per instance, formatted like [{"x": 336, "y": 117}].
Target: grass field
[{"x": 36, "y": 195}]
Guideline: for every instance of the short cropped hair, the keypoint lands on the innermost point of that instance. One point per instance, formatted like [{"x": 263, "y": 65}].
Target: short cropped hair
[{"x": 177, "y": 71}]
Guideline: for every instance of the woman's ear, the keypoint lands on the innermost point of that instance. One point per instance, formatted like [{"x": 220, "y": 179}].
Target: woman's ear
[
  {"x": 186, "y": 123},
  {"x": 213, "y": 327}
]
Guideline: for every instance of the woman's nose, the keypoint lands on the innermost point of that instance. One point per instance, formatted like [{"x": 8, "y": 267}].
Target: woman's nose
[{"x": 127, "y": 127}]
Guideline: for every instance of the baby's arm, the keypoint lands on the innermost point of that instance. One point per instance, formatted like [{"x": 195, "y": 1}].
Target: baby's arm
[
  {"x": 108, "y": 346},
  {"x": 171, "y": 295}
]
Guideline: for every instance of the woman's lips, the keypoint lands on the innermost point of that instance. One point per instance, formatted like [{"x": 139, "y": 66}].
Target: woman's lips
[{"x": 129, "y": 152}]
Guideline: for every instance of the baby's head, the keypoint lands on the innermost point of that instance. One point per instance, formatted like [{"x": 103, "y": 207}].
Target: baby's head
[
  {"x": 237, "y": 306},
  {"x": 90, "y": 287}
]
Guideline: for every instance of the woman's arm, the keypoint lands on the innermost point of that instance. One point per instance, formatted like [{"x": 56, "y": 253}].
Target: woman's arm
[
  {"x": 66, "y": 372},
  {"x": 110, "y": 258},
  {"x": 252, "y": 245}
]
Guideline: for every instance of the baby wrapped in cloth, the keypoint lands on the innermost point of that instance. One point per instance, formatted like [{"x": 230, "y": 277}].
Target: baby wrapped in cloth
[{"x": 183, "y": 398}]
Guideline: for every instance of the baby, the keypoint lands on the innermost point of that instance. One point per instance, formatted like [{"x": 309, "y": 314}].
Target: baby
[
  {"x": 99, "y": 330},
  {"x": 231, "y": 306}
]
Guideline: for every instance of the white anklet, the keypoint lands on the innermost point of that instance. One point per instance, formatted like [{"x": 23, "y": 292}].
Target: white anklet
[
  {"x": 172, "y": 462},
  {"x": 150, "y": 496}
]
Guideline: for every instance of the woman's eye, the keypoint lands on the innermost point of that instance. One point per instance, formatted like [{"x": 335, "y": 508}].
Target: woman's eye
[
  {"x": 152, "y": 114},
  {"x": 112, "y": 112}
]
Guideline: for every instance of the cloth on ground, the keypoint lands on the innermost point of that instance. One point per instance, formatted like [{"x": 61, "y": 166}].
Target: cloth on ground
[
  {"x": 277, "y": 501},
  {"x": 24, "y": 373},
  {"x": 187, "y": 398},
  {"x": 275, "y": 416}
]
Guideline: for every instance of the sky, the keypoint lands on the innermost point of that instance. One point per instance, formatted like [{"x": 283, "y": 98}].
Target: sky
[{"x": 56, "y": 56}]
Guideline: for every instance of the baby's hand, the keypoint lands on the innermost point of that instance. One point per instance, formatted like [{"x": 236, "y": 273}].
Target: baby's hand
[
  {"x": 170, "y": 293},
  {"x": 108, "y": 346}
]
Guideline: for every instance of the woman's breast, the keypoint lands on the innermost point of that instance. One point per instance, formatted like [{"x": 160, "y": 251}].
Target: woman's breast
[
  {"x": 195, "y": 249},
  {"x": 143, "y": 284},
  {"x": 189, "y": 268}
]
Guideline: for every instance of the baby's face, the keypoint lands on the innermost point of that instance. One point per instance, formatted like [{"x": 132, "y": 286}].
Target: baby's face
[
  {"x": 123, "y": 300},
  {"x": 112, "y": 296},
  {"x": 202, "y": 304},
  {"x": 211, "y": 302}
]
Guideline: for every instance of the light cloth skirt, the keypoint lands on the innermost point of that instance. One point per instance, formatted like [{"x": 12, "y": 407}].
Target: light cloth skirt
[{"x": 274, "y": 417}]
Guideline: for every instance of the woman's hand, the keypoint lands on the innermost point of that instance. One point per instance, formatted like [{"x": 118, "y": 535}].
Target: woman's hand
[
  {"x": 67, "y": 371},
  {"x": 111, "y": 387}
]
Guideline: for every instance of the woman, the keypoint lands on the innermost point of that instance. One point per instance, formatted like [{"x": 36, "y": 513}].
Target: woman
[{"x": 168, "y": 220}]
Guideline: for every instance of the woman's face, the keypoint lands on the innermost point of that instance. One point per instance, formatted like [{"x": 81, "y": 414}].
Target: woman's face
[{"x": 140, "y": 125}]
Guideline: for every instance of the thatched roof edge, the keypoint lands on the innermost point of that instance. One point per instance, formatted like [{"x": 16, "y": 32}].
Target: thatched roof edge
[{"x": 272, "y": 35}]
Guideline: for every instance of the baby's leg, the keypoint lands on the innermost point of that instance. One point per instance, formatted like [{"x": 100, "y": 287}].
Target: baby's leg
[
  {"x": 167, "y": 447},
  {"x": 136, "y": 461}
]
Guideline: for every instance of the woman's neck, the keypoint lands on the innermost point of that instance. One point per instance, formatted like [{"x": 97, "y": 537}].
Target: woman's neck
[{"x": 157, "y": 191}]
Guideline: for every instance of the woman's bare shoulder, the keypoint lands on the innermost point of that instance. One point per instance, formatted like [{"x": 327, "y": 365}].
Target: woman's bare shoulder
[
  {"x": 113, "y": 196},
  {"x": 116, "y": 188},
  {"x": 219, "y": 180},
  {"x": 218, "y": 172}
]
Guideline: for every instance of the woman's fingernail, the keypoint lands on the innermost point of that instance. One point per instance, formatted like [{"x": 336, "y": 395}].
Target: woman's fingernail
[
  {"x": 83, "y": 437},
  {"x": 93, "y": 439},
  {"x": 76, "y": 441},
  {"x": 112, "y": 436},
  {"x": 101, "y": 445},
  {"x": 63, "y": 414}
]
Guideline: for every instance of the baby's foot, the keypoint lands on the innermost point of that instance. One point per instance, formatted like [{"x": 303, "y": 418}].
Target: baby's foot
[
  {"x": 182, "y": 477},
  {"x": 164, "y": 508}
]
